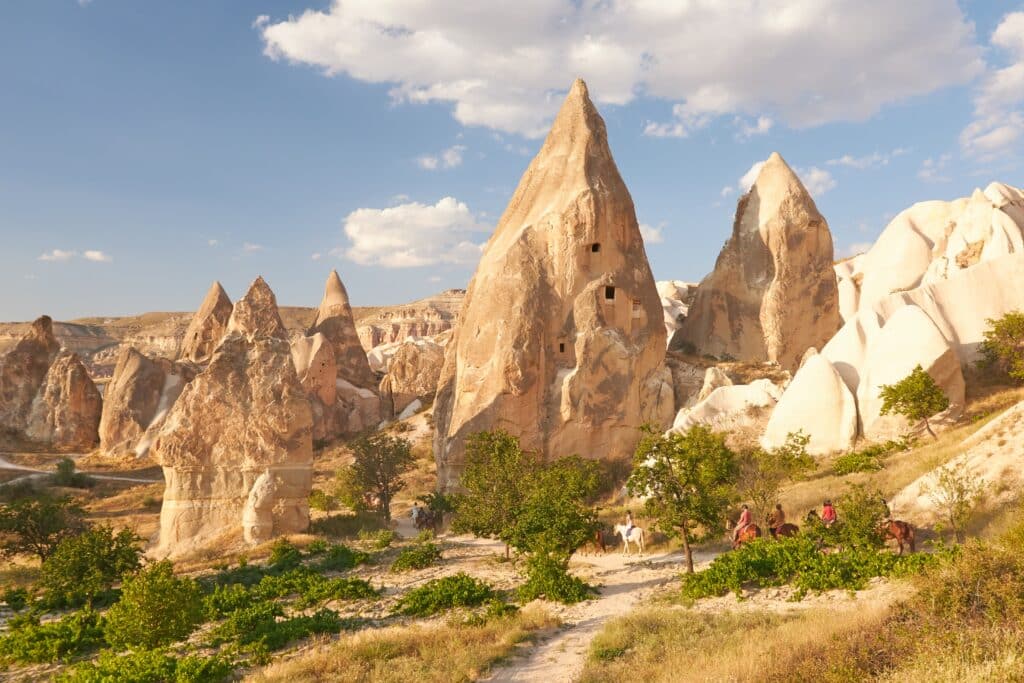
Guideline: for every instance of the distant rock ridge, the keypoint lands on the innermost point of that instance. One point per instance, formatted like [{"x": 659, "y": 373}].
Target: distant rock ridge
[
  {"x": 772, "y": 294},
  {"x": 561, "y": 339},
  {"x": 424, "y": 318}
]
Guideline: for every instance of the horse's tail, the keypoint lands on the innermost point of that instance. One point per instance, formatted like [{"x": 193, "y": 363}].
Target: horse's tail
[{"x": 910, "y": 537}]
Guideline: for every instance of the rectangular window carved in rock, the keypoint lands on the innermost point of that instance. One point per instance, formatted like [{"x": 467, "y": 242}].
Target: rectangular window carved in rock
[
  {"x": 609, "y": 293},
  {"x": 595, "y": 247},
  {"x": 561, "y": 347}
]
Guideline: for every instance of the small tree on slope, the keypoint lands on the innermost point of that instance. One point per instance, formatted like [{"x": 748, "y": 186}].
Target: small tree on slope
[
  {"x": 916, "y": 397},
  {"x": 1003, "y": 345},
  {"x": 688, "y": 481},
  {"x": 381, "y": 460}
]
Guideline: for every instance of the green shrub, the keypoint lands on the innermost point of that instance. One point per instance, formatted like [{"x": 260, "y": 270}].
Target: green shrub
[
  {"x": 419, "y": 556},
  {"x": 149, "y": 666},
  {"x": 322, "y": 501},
  {"x": 226, "y": 599},
  {"x": 28, "y": 641},
  {"x": 258, "y": 624},
  {"x": 548, "y": 577},
  {"x": 1003, "y": 345},
  {"x": 868, "y": 459},
  {"x": 340, "y": 557},
  {"x": 67, "y": 477},
  {"x": 311, "y": 587},
  {"x": 84, "y": 567},
  {"x": 245, "y": 574},
  {"x": 317, "y": 547},
  {"x": 15, "y": 598},
  {"x": 284, "y": 556},
  {"x": 459, "y": 590},
  {"x": 35, "y": 524},
  {"x": 379, "y": 539},
  {"x": 156, "y": 608},
  {"x": 345, "y": 525}
]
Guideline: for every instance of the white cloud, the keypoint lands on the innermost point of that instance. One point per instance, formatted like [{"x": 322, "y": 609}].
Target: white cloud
[
  {"x": 505, "y": 65},
  {"x": 873, "y": 160},
  {"x": 260, "y": 21},
  {"x": 998, "y": 123},
  {"x": 249, "y": 247},
  {"x": 414, "y": 234},
  {"x": 316, "y": 256},
  {"x": 448, "y": 158},
  {"x": 652, "y": 234},
  {"x": 933, "y": 169},
  {"x": 759, "y": 127},
  {"x": 434, "y": 278},
  {"x": 818, "y": 181},
  {"x": 727, "y": 190},
  {"x": 97, "y": 256},
  {"x": 58, "y": 255},
  {"x": 212, "y": 243}
]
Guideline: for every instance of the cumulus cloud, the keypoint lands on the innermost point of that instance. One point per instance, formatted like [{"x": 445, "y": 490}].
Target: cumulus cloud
[
  {"x": 818, "y": 181},
  {"x": 762, "y": 125},
  {"x": 315, "y": 256},
  {"x": 873, "y": 160},
  {"x": 933, "y": 169},
  {"x": 652, "y": 234},
  {"x": 506, "y": 65},
  {"x": 414, "y": 234},
  {"x": 97, "y": 256},
  {"x": 448, "y": 158},
  {"x": 212, "y": 243},
  {"x": 58, "y": 255},
  {"x": 250, "y": 247},
  {"x": 728, "y": 190},
  {"x": 998, "y": 123}
]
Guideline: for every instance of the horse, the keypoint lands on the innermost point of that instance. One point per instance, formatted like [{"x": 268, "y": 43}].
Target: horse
[
  {"x": 898, "y": 530},
  {"x": 784, "y": 531},
  {"x": 425, "y": 520},
  {"x": 748, "y": 534},
  {"x": 596, "y": 543},
  {"x": 635, "y": 535}
]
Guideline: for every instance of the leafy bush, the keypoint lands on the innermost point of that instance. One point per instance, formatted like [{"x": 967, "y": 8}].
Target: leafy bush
[
  {"x": 322, "y": 501},
  {"x": 1003, "y": 345},
  {"x": 15, "y": 598},
  {"x": 225, "y": 599},
  {"x": 459, "y": 590},
  {"x": 318, "y": 547},
  {"x": 345, "y": 525},
  {"x": 916, "y": 397},
  {"x": 379, "y": 539},
  {"x": 150, "y": 666},
  {"x": 419, "y": 556},
  {"x": 156, "y": 608},
  {"x": 547, "y": 577},
  {"x": 339, "y": 557},
  {"x": 258, "y": 624},
  {"x": 37, "y": 524},
  {"x": 28, "y": 641},
  {"x": 67, "y": 477},
  {"x": 860, "y": 512},
  {"x": 284, "y": 556},
  {"x": 310, "y": 586},
  {"x": 84, "y": 567},
  {"x": 868, "y": 459},
  {"x": 245, "y": 574}
]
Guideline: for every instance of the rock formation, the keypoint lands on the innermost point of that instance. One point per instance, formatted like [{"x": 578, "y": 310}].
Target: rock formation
[
  {"x": 412, "y": 375},
  {"x": 208, "y": 326},
  {"x": 818, "y": 403},
  {"x": 22, "y": 373},
  {"x": 772, "y": 294},
  {"x": 561, "y": 338},
  {"x": 423, "y": 318},
  {"x": 334, "y": 321},
  {"x": 236, "y": 448},
  {"x": 743, "y": 410},
  {"x": 138, "y": 396},
  {"x": 65, "y": 413},
  {"x": 676, "y": 298}
]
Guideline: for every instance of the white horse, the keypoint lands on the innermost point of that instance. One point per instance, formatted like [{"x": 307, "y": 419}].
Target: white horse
[{"x": 635, "y": 535}]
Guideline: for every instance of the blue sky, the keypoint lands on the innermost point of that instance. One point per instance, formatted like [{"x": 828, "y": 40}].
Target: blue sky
[{"x": 147, "y": 149}]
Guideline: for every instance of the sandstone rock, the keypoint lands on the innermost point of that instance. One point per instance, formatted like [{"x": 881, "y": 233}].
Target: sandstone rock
[
  {"x": 334, "y": 321},
  {"x": 849, "y": 347},
  {"x": 773, "y": 291},
  {"x": 23, "y": 371},
  {"x": 412, "y": 375},
  {"x": 676, "y": 297},
  {"x": 687, "y": 379},
  {"x": 741, "y": 409},
  {"x": 427, "y": 317},
  {"x": 208, "y": 326},
  {"x": 236, "y": 448},
  {"x": 818, "y": 403},
  {"x": 907, "y": 339},
  {"x": 316, "y": 367},
  {"x": 65, "y": 413},
  {"x": 713, "y": 378},
  {"x": 561, "y": 338}
]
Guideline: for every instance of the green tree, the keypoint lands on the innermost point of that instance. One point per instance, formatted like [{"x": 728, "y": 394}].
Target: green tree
[
  {"x": 763, "y": 472},
  {"x": 956, "y": 492},
  {"x": 36, "y": 525},
  {"x": 156, "y": 608},
  {"x": 495, "y": 480},
  {"x": 688, "y": 481},
  {"x": 1002, "y": 347},
  {"x": 85, "y": 566},
  {"x": 860, "y": 512},
  {"x": 916, "y": 397},
  {"x": 381, "y": 460}
]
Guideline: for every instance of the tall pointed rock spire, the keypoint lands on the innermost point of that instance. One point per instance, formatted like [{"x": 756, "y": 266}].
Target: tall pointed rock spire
[
  {"x": 560, "y": 340},
  {"x": 255, "y": 315},
  {"x": 335, "y": 321},
  {"x": 207, "y": 326}
]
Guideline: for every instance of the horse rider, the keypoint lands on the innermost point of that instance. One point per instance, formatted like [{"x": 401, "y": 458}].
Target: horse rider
[
  {"x": 776, "y": 519},
  {"x": 743, "y": 522},
  {"x": 416, "y": 513},
  {"x": 629, "y": 523},
  {"x": 828, "y": 514}
]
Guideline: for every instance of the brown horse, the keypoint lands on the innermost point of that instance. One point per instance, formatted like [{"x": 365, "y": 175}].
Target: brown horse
[
  {"x": 785, "y": 531},
  {"x": 748, "y": 534},
  {"x": 900, "y": 531},
  {"x": 596, "y": 544}
]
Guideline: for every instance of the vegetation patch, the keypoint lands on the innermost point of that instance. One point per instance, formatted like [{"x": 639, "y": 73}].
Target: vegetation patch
[
  {"x": 438, "y": 595},
  {"x": 868, "y": 459},
  {"x": 419, "y": 556},
  {"x": 149, "y": 666},
  {"x": 28, "y": 641}
]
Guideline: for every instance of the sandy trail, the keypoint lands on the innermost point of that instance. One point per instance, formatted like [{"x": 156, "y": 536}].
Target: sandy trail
[
  {"x": 33, "y": 473},
  {"x": 625, "y": 582}
]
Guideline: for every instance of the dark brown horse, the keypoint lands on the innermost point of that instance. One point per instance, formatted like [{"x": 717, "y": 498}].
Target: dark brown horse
[
  {"x": 902, "y": 532},
  {"x": 748, "y": 534},
  {"x": 785, "y": 531},
  {"x": 596, "y": 544}
]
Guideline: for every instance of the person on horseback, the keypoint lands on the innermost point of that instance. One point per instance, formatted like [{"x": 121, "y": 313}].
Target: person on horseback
[
  {"x": 828, "y": 514},
  {"x": 416, "y": 513},
  {"x": 776, "y": 519},
  {"x": 743, "y": 523},
  {"x": 629, "y": 522}
]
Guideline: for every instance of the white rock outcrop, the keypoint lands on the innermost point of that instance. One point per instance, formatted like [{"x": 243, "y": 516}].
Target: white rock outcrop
[{"x": 741, "y": 408}]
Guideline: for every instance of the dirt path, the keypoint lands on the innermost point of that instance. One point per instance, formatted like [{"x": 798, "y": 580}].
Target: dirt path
[
  {"x": 33, "y": 473},
  {"x": 624, "y": 583}
]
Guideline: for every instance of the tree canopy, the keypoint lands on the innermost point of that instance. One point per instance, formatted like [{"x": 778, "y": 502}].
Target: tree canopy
[{"x": 916, "y": 397}]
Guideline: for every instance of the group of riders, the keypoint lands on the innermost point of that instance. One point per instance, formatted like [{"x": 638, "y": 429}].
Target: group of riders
[{"x": 777, "y": 524}]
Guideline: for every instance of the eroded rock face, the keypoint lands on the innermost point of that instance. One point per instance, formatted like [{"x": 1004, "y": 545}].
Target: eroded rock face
[
  {"x": 140, "y": 393},
  {"x": 561, "y": 338},
  {"x": 427, "y": 317},
  {"x": 22, "y": 372},
  {"x": 236, "y": 448},
  {"x": 208, "y": 326},
  {"x": 66, "y": 411},
  {"x": 742, "y": 410},
  {"x": 676, "y": 298},
  {"x": 772, "y": 294},
  {"x": 413, "y": 372},
  {"x": 334, "y": 321}
]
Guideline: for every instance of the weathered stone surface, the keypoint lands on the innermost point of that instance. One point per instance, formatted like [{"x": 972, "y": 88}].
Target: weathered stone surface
[
  {"x": 314, "y": 362},
  {"x": 208, "y": 326},
  {"x": 676, "y": 298},
  {"x": 714, "y": 377},
  {"x": 66, "y": 411},
  {"x": 741, "y": 409},
  {"x": 561, "y": 339},
  {"x": 687, "y": 379},
  {"x": 334, "y": 321},
  {"x": 427, "y": 317},
  {"x": 22, "y": 373},
  {"x": 909, "y": 338},
  {"x": 236, "y": 448},
  {"x": 773, "y": 293},
  {"x": 818, "y": 403},
  {"x": 412, "y": 375}
]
